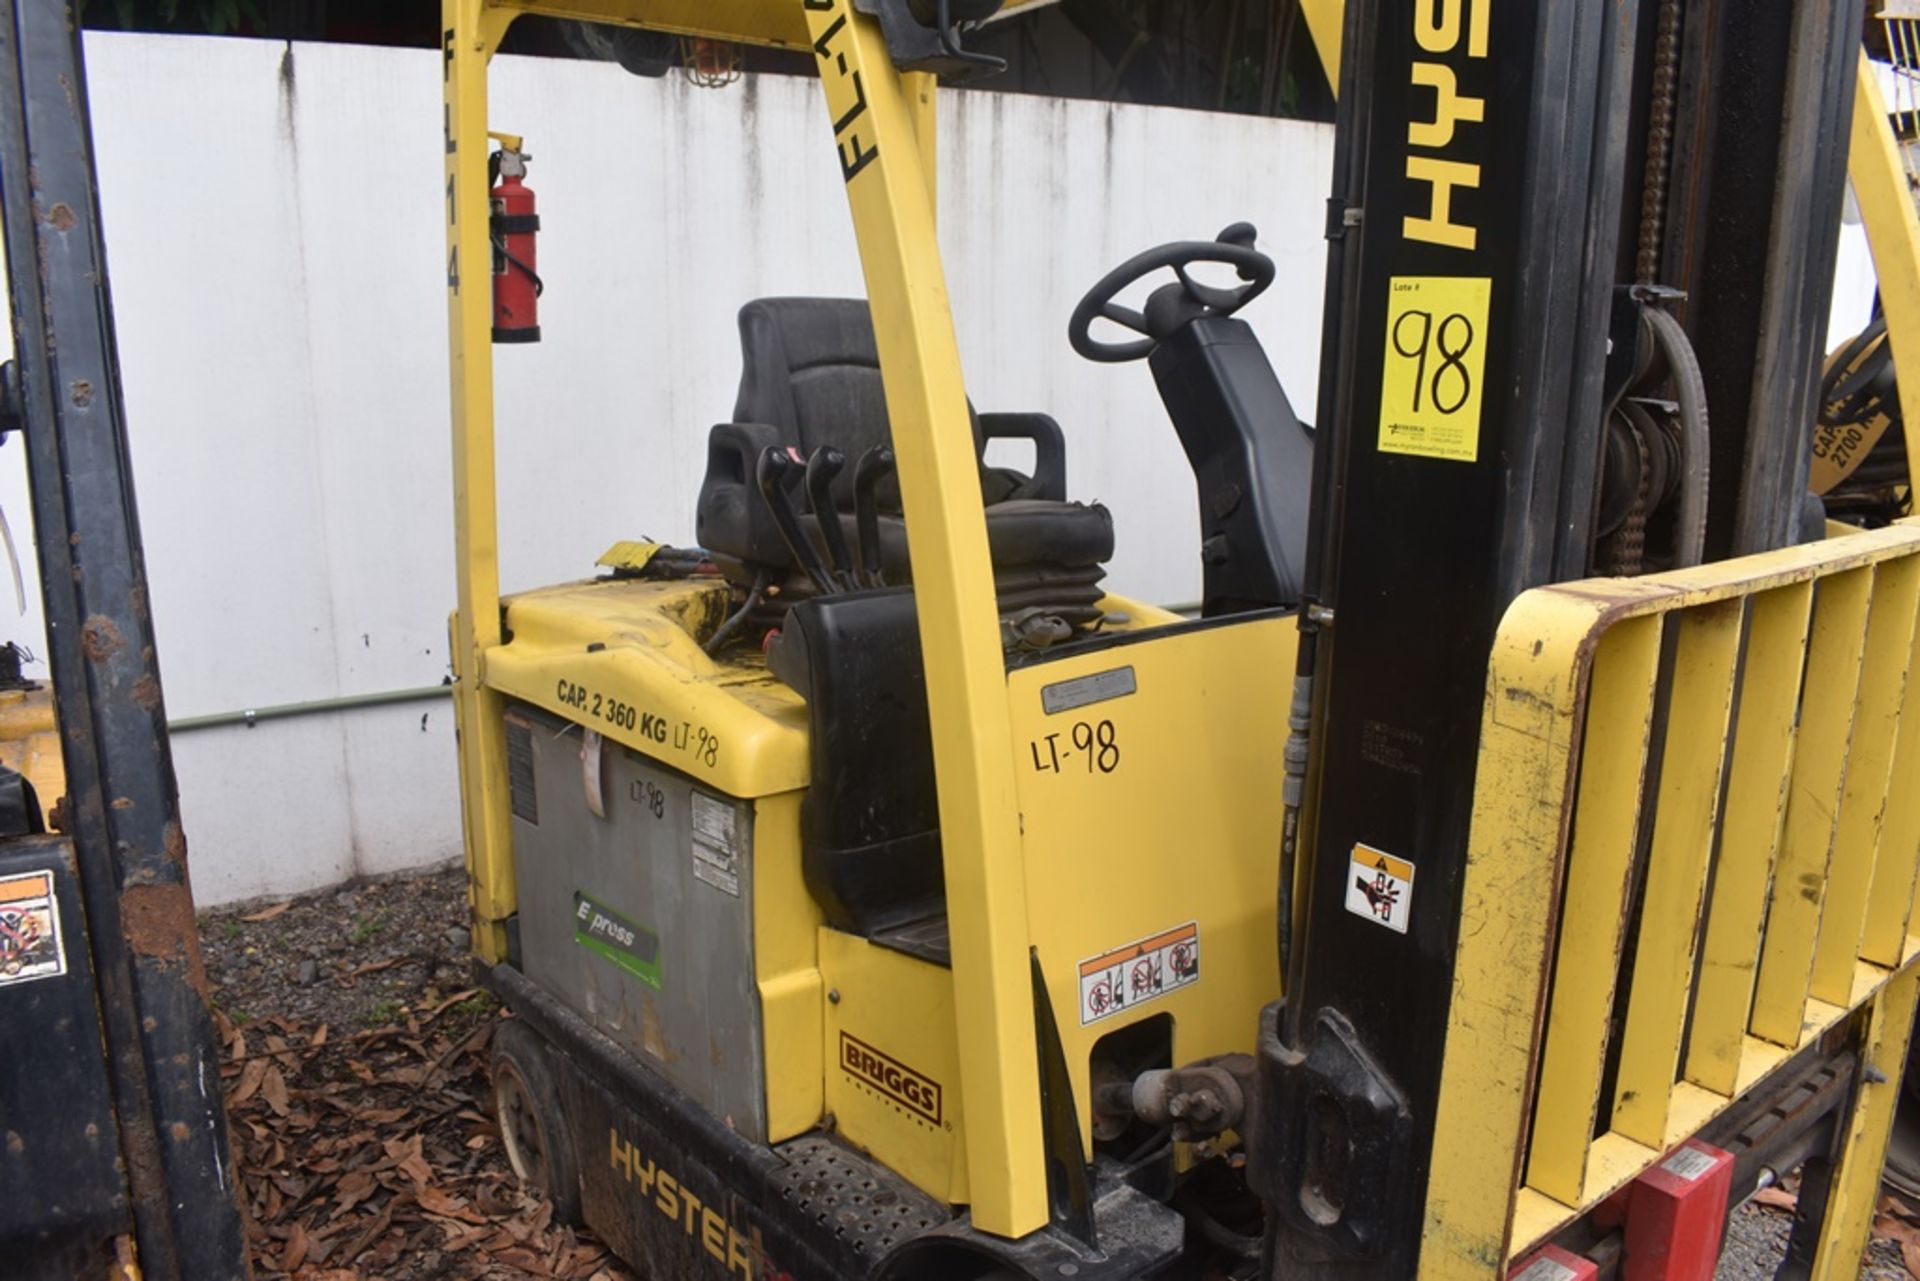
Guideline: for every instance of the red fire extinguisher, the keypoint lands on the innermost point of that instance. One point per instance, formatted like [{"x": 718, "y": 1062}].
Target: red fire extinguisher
[{"x": 512, "y": 225}]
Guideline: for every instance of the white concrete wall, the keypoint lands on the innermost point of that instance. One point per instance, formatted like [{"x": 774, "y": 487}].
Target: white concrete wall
[{"x": 273, "y": 230}]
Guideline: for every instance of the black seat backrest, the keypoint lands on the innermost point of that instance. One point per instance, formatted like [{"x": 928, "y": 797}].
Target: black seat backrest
[
  {"x": 1251, "y": 457},
  {"x": 870, "y": 821},
  {"x": 809, "y": 367}
]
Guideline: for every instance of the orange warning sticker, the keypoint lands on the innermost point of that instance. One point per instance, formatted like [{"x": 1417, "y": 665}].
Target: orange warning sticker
[
  {"x": 1380, "y": 887},
  {"x": 30, "y": 946},
  {"x": 1139, "y": 972}
]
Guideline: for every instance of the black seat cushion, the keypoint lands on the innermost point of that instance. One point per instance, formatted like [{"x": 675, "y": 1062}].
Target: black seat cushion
[
  {"x": 810, "y": 376},
  {"x": 1020, "y": 533}
]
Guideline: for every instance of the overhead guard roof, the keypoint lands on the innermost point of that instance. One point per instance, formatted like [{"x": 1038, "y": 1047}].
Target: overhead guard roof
[{"x": 778, "y": 23}]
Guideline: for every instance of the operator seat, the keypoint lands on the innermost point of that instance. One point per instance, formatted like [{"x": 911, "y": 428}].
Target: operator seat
[{"x": 811, "y": 377}]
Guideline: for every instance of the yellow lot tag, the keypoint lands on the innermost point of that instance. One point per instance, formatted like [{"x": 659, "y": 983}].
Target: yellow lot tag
[
  {"x": 1380, "y": 887},
  {"x": 1430, "y": 393}
]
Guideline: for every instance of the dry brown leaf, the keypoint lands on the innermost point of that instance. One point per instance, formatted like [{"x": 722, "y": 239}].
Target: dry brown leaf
[
  {"x": 273, "y": 1088},
  {"x": 1779, "y": 1198},
  {"x": 319, "y": 1037},
  {"x": 378, "y": 1225},
  {"x": 1910, "y": 1256},
  {"x": 453, "y": 1000},
  {"x": 526, "y": 1260},
  {"x": 439, "y": 1201},
  {"x": 250, "y": 1077},
  {"x": 267, "y": 913},
  {"x": 356, "y": 1187},
  {"x": 297, "y": 1246},
  {"x": 406, "y": 1156}
]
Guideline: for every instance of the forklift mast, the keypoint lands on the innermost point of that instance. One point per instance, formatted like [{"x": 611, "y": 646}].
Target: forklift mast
[
  {"x": 117, "y": 1160},
  {"x": 1514, "y": 185}
]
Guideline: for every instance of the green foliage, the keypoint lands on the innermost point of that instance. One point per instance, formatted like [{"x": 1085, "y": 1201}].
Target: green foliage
[
  {"x": 474, "y": 1006},
  {"x": 215, "y": 17},
  {"x": 383, "y": 1014}
]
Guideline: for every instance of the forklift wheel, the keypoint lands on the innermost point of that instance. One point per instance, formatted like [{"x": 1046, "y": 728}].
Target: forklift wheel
[{"x": 526, "y": 1104}]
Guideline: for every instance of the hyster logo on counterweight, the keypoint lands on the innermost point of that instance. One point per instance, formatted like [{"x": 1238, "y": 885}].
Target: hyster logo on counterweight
[{"x": 891, "y": 1077}]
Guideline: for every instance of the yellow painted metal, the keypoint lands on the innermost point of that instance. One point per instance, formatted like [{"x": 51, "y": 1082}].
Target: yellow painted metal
[
  {"x": 959, "y": 628},
  {"x": 774, "y": 23},
  {"x": 1884, "y": 938},
  {"x": 1538, "y": 696},
  {"x": 1883, "y": 689},
  {"x": 786, "y": 939},
  {"x": 1325, "y": 20},
  {"x": 621, "y": 656},
  {"x": 923, "y": 106},
  {"x": 1588, "y": 962},
  {"x": 1855, "y": 1190},
  {"x": 899, "y": 1010},
  {"x": 628, "y": 555},
  {"x": 1886, "y": 201},
  {"x": 1813, "y": 804},
  {"x": 1193, "y": 754},
  {"x": 1618, "y": 1160},
  {"x": 1775, "y": 656},
  {"x": 30, "y": 742},
  {"x": 1524, "y": 777},
  {"x": 472, "y": 32},
  {"x": 1692, "y": 765}
]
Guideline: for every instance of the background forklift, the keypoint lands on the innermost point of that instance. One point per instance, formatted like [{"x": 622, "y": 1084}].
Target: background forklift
[
  {"x": 116, "y": 1160},
  {"x": 895, "y": 908}
]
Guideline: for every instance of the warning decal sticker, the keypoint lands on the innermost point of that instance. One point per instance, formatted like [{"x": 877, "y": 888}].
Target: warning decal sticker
[
  {"x": 1430, "y": 389},
  {"x": 30, "y": 946},
  {"x": 716, "y": 859},
  {"x": 1380, "y": 887},
  {"x": 1545, "y": 1268},
  {"x": 1688, "y": 1164},
  {"x": 1138, "y": 972}
]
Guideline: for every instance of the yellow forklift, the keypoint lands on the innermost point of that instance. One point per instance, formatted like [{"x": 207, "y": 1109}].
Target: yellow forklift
[{"x": 1508, "y": 871}]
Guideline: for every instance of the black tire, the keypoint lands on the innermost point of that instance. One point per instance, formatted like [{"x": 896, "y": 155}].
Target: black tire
[{"x": 533, "y": 1128}]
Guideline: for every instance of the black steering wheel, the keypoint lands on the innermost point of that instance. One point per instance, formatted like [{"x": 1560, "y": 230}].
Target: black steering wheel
[{"x": 1234, "y": 247}]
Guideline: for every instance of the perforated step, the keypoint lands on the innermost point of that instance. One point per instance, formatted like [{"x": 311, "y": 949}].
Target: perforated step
[{"x": 865, "y": 1206}]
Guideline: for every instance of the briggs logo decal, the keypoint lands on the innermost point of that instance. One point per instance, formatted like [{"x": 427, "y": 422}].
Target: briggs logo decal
[{"x": 917, "y": 1093}]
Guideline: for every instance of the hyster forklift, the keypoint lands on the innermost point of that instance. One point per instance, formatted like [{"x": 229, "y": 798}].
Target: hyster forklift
[{"x": 1507, "y": 872}]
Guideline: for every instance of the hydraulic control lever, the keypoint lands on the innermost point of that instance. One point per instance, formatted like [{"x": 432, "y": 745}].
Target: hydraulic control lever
[
  {"x": 825, "y": 464},
  {"x": 874, "y": 466},
  {"x": 771, "y": 473}
]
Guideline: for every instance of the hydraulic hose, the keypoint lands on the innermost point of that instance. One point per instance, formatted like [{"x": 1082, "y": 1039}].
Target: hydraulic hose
[{"x": 1690, "y": 529}]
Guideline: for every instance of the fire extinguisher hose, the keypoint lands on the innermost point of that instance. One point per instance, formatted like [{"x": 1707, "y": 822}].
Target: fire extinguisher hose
[{"x": 539, "y": 286}]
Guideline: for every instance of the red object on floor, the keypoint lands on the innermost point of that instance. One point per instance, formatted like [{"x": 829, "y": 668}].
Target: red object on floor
[
  {"x": 1677, "y": 1214},
  {"x": 1551, "y": 1263}
]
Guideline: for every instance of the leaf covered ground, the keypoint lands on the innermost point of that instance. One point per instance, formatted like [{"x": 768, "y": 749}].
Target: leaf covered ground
[{"x": 355, "y": 1051}]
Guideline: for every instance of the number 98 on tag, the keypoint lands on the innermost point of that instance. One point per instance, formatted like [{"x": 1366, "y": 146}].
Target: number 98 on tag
[{"x": 1430, "y": 390}]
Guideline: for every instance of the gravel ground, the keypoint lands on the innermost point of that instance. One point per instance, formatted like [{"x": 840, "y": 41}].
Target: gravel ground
[
  {"x": 1757, "y": 1242},
  {"x": 341, "y": 956}
]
